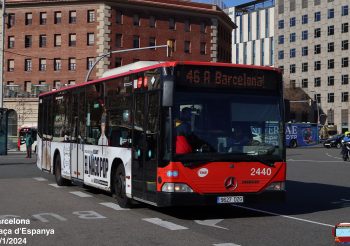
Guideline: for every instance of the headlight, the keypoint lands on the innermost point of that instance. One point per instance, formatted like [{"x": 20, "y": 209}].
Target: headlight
[
  {"x": 176, "y": 187},
  {"x": 276, "y": 186}
]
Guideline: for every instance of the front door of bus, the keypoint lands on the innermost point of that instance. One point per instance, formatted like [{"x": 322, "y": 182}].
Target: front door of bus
[{"x": 145, "y": 145}]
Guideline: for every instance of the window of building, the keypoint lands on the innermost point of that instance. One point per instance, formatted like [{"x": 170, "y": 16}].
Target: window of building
[
  {"x": 331, "y": 47},
  {"x": 345, "y": 62},
  {"x": 57, "y": 64},
  {"x": 293, "y": 37},
  {"x": 281, "y": 24},
  {"x": 330, "y": 30},
  {"x": 136, "y": 20},
  {"x": 203, "y": 48},
  {"x": 317, "y": 82},
  {"x": 28, "y": 19},
  {"x": 318, "y": 98},
  {"x": 90, "y": 39},
  {"x": 71, "y": 82},
  {"x": 330, "y": 13},
  {"x": 344, "y": 10},
  {"x": 345, "y": 27},
  {"x": 118, "y": 17},
  {"x": 118, "y": 62},
  {"x": 317, "y": 16},
  {"x": 345, "y": 79},
  {"x": 281, "y": 39},
  {"x": 304, "y": 19},
  {"x": 203, "y": 27},
  {"x": 72, "y": 39},
  {"x": 72, "y": 17},
  {"x": 317, "y": 32},
  {"x": 42, "y": 64},
  {"x": 330, "y": 97},
  {"x": 136, "y": 41},
  {"x": 57, "y": 84},
  {"x": 152, "y": 21},
  {"x": 317, "y": 49},
  {"x": 304, "y": 67},
  {"x": 10, "y": 20},
  {"x": 28, "y": 86},
  {"x": 292, "y": 68},
  {"x": 280, "y": 55},
  {"x": 345, "y": 44},
  {"x": 58, "y": 17},
  {"x": 317, "y": 2},
  {"x": 330, "y": 63},
  {"x": 345, "y": 96},
  {"x": 292, "y": 21},
  {"x": 42, "y": 40},
  {"x": 280, "y": 6},
  {"x": 43, "y": 18},
  {"x": 304, "y": 35},
  {"x": 317, "y": 65},
  {"x": 10, "y": 65},
  {"x": 11, "y": 42},
  {"x": 89, "y": 62},
  {"x": 187, "y": 26},
  {"x": 91, "y": 16},
  {"x": 72, "y": 64},
  {"x": 292, "y": 5},
  {"x": 57, "y": 40},
  {"x": 28, "y": 41},
  {"x": 330, "y": 80},
  {"x": 152, "y": 41},
  {"x": 172, "y": 24},
  {"x": 187, "y": 47},
  {"x": 119, "y": 40},
  {"x": 304, "y": 83},
  {"x": 304, "y": 51},
  {"x": 28, "y": 65},
  {"x": 304, "y": 4},
  {"x": 292, "y": 53},
  {"x": 292, "y": 83}
]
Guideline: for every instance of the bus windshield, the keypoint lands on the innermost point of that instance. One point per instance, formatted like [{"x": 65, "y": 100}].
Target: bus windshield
[{"x": 219, "y": 126}]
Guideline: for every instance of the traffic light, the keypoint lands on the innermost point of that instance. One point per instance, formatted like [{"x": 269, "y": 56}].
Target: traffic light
[{"x": 170, "y": 48}]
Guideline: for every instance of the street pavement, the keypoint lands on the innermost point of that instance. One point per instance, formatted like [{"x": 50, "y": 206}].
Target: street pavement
[{"x": 318, "y": 198}]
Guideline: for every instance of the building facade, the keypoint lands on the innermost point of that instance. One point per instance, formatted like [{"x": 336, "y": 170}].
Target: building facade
[
  {"x": 253, "y": 39},
  {"x": 53, "y": 44},
  {"x": 312, "y": 48}
]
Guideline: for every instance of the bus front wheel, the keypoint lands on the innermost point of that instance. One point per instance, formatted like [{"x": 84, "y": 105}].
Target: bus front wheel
[
  {"x": 58, "y": 176},
  {"x": 119, "y": 187}
]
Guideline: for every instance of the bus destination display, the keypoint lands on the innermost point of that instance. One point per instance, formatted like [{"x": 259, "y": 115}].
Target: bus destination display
[{"x": 227, "y": 77}]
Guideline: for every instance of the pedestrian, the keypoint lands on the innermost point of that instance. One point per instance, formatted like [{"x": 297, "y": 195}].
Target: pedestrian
[{"x": 29, "y": 142}]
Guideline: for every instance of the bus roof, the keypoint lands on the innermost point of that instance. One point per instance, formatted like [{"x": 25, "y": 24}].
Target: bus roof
[{"x": 141, "y": 66}]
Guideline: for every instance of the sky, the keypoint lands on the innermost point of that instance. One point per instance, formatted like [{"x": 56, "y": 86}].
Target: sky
[{"x": 229, "y": 3}]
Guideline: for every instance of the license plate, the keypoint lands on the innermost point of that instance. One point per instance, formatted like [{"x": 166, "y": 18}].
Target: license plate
[{"x": 230, "y": 199}]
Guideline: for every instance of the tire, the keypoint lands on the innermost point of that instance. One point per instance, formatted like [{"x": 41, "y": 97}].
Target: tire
[
  {"x": 338, "y": 146},
  {"x": 119, "y": 187},
  {"x": 58, "y": 177},
  {"x": 293, "y": 144}
]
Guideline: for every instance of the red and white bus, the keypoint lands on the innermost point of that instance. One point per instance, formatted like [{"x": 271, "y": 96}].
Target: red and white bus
[{"x": 118, "y": 133}]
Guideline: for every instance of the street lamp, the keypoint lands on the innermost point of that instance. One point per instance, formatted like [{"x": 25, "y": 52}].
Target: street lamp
[{"x": 168, "y": 45}]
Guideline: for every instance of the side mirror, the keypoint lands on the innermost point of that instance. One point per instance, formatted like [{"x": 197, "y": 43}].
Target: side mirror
[{"x": 168, "y": 91}]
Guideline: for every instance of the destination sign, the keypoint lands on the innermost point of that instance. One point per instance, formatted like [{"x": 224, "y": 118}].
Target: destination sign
[{"x": 227, "y": 77}]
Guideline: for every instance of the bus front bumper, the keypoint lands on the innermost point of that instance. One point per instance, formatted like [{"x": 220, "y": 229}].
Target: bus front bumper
[{"x": 166, "y": 199}]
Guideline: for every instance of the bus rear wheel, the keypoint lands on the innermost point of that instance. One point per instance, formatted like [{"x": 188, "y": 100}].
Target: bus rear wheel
[
  {"x": 58, "y": 176},
  {"x": 119, "y": 187}
]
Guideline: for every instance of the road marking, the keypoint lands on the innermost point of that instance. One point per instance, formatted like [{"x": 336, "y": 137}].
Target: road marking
[
  {"x": 281, "y": 215},
  {"x": 55, "y": 185},
  {"x": 311, "y": 160},
  {"x": 113, "y": 206},
  {"x": 165, "y": 224},
  {"x": 226, "y": 244},
  {"x": 334, "y": 156},
  {"x": 211, "y": 223},
  {"x": 80, "y": 194},
  {"x": 40, "y": 179}
]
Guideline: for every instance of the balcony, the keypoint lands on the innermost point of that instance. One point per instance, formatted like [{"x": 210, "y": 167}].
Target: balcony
[{"x": 15, "y": 91}]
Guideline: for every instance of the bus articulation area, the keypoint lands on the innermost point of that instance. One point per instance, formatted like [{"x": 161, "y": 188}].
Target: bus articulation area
[{"x": 118, "y": 133}]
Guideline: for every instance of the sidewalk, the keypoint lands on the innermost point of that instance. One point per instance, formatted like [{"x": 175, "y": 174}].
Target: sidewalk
[{"x": 16, "y": 158}]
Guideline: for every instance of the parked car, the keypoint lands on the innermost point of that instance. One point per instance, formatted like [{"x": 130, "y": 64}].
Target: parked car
[{"x": 334, "y": 141}]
